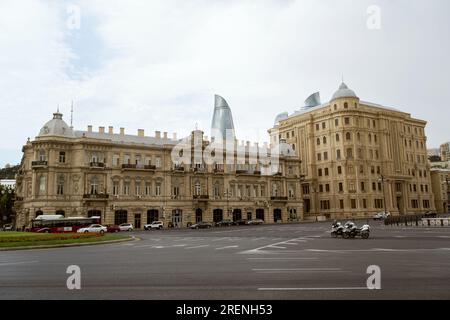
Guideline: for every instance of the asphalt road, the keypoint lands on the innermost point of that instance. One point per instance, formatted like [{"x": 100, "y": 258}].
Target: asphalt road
[{"x": 296, "y": 261}]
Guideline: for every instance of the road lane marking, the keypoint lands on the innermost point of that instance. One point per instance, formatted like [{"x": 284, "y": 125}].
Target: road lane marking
[
  {"x": 234, "y": 230},
  {"x": 280, "y": 258},
  {"x": 227, "y": 247},
  {"x": 312, "y": 289},
  {"x": 276, "y": 247},
  {"x": 15, "y": 263},
  {"x": 202, "y": 246},
  {"x": 299, "y": 269}
]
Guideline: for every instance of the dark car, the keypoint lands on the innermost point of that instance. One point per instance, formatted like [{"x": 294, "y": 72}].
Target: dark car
[
  {"x": 430, "y": 214},
  {"x": 240, "y": 222},
  {"x": 112, "y": 228},
  {"x": 202, "y": 225},
  {"x": 224, "y": 223}
]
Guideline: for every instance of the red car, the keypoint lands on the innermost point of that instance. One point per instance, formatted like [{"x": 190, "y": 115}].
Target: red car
[{"x": 112, "y": 228}]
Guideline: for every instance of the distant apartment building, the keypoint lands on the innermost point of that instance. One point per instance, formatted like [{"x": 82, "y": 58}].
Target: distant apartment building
[{"x": 440, "y": 182}]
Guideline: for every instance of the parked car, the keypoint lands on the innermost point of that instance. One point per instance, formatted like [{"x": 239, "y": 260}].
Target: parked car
[
  {"x": 154, "y": 225},
  {"x": 7, "y": 227},
  {"x": 255, "y": 221},
  {"x": 224, "y": 223},
  {"x": 430, "y": 214},
  {"x": 126, "y": 227},
  {"x": 240, "y": 222},
  {"x": 202, "y": 225},
  {"x": 112, "y": 228},
  {"x": 94, "y": 228},
  {"x": 381, "y": 215}
]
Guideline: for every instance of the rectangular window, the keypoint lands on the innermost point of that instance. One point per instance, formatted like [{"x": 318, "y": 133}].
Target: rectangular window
[
  {"x": 341, "y": 187},
  {"x": 158, "y": 189},
  {"x": 327, "y": 187},
  {"x": 353, "y": 203},
  {"x": 319, "y": 157},
  {"x": 347, "y": 120},
  {"x": 364, "y": 203},
  {"x": 320, "y": 172},
  {"x": 62, "y": 157},
  {"x": 137, "y": 188},
  {"x": 148, "y": 189},
  {"x": 326, "y": 171},
  {"x": 341, "y": 204},
  {"x": 336, "y": 122},
  {"x": 115, "y": 188},
  {"x": 325, "y": 155},
  {"x": 305, "y": 188},
  {"x": 158, "y": 162},
  {"x": 126, "y": 189},
  {"x": 339, "y": 169}
]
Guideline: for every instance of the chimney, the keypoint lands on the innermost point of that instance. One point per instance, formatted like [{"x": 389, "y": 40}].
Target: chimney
[
  {"x": 175, "y": 136},
  {"x": 89, "y": 128},
  {"x": 140, "y": 132},
  {"x": 165, "y": 135},
  {"x": 158, "y": 134},
  {"x": 101, "y": 129},
  {"x": 122, "y": 131},
  {"x": 110, "y": 130}
]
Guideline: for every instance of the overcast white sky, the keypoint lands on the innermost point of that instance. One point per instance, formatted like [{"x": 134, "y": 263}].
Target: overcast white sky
[{"x": 156, "y": 65}]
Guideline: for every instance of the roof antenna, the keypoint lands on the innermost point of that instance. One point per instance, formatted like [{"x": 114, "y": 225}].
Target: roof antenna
[
  {"x": 71, "y": 116},
  {"x": 57, "y": 108}
]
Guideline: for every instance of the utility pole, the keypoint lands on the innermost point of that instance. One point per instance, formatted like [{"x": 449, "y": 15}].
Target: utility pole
[{"x": 382, "y": 179}]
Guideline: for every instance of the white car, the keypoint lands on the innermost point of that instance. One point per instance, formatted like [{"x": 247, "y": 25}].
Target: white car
[
  {"x": 381, "y": 215},
  {"x": 126, "y": 227},
  {"x": 94, "y": 228},
  {"x": 154, "y": 225}
]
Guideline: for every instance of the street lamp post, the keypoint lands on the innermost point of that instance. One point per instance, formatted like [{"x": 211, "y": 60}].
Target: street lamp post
[
  {"x": 227, "y": 194},
  {"x": 383, "y": 179}
]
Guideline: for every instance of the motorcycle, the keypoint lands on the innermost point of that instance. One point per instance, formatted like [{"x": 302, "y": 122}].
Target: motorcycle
[
  {"x": 352, "y": 231},
  {"x": 337, "y": 229}
]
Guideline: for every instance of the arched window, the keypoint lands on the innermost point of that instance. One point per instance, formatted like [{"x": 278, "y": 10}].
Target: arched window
[
  {"x": 348, "y": 136},
  {"x": 318, "y": 141},
  {"x": 324, "y": 140},
  {"x": 345, "y": 105},
  {"x": 338, "y": 154},
  {"x": 358, "y": 136},
  {"x": 370, "y": 138},
  {"x": 337, "y": 137}
]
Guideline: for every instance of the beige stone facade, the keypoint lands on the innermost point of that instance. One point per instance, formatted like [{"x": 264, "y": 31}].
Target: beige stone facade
[
  {"x": 444, "y": 151},
  {"x": 355, "y": 154},
  {"x": 440, "y": 183},
  {"x": 132, "y": 178}
]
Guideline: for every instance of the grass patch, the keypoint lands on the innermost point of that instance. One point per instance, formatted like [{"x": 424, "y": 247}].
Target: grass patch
[{"x": 19, "y": 239}]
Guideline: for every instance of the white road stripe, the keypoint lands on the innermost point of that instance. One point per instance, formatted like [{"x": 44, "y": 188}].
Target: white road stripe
[
  {"x": 312, "y": 289},
  {"x": 276, "y": 247},
  {"x": 15, "y": 263},
  {"x": 281, "y": 258},
  {"x": 202, "y": 246},
  {"x": 300, "y": 269},
  {"x": 227, "y": 247}
]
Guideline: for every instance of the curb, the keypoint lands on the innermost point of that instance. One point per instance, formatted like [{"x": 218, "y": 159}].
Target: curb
[{"x": 50, "y": 246}]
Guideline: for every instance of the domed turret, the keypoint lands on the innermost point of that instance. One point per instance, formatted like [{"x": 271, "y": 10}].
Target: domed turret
[
  {"x": 344, "y": 92},
  {"x": 280, "y": 117},
  {"x": 56, "y": 127}
]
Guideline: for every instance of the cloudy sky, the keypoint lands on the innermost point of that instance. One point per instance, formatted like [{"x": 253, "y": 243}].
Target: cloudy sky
[{"x": 156, "y": 65}]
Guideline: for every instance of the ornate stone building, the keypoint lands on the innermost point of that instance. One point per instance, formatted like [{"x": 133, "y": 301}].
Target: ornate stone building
[
  {"x": 132, "y": 178},
  {"x": 357, "y": 157}
]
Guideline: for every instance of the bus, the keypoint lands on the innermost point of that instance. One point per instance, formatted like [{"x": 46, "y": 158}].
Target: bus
[{"x": 59, "y": 224}]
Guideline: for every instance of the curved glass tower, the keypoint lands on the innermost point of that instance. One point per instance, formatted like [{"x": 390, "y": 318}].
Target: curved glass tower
[{"x": 222, "y": 125}]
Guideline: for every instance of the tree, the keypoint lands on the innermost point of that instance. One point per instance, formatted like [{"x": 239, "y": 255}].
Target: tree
[{"x": 7, "y": 196}]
